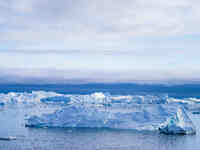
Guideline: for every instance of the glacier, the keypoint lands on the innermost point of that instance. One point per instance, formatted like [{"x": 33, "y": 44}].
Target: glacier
[{"x": 103, "y": 110}]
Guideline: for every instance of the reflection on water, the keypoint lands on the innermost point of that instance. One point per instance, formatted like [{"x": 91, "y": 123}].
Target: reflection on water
[{"x": 99, "y": 139}]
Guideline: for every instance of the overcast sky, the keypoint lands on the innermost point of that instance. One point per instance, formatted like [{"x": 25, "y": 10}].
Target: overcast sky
[{"x": 99, "y": 41}]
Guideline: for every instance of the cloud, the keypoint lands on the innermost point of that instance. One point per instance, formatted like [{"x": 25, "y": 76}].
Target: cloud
[{"x": 62, "y": 24}]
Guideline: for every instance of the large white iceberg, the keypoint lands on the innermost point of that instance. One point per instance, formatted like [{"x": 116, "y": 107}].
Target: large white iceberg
[
  {"x": 139, "y": 117},
  {"x": 99, "y": 110}
]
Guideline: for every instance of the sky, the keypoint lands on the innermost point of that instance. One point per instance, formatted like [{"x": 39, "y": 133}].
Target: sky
[{"x": 81, "y": 41}]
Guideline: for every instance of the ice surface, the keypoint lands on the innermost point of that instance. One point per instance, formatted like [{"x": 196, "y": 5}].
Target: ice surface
[{"x": 180, "y": 123}]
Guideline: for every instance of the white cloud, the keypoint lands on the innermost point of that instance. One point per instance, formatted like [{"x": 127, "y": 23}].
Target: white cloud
[{"x": 41, "y": 22}]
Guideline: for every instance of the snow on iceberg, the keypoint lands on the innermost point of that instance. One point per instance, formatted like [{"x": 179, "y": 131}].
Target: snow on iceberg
[
  {"x": 180, "y": 123},
  {"x": 140, "y": 117}
]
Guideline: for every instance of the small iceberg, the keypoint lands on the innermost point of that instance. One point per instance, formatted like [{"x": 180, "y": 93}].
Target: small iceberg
[
  {"x": 9, "y": 138},
  {"x": 180, "y": 123}
]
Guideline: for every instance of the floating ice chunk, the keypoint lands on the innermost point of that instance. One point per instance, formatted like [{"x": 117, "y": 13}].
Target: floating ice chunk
[
  {"x": 9, "y": 138},
  {"x": 180, "y": 123}
]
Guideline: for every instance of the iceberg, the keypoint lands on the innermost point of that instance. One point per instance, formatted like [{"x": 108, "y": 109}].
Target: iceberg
[
  {"x": 138, "y": 117},
  {"x": 9, "y": 138},
  {"x": 180, "y": 123},
  {"x": 98, "y": 98},
  {"x": 103, "y": 110}
]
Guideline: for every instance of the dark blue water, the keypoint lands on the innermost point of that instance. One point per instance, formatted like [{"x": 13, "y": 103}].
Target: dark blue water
[{"x": 11, "y": 123}]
